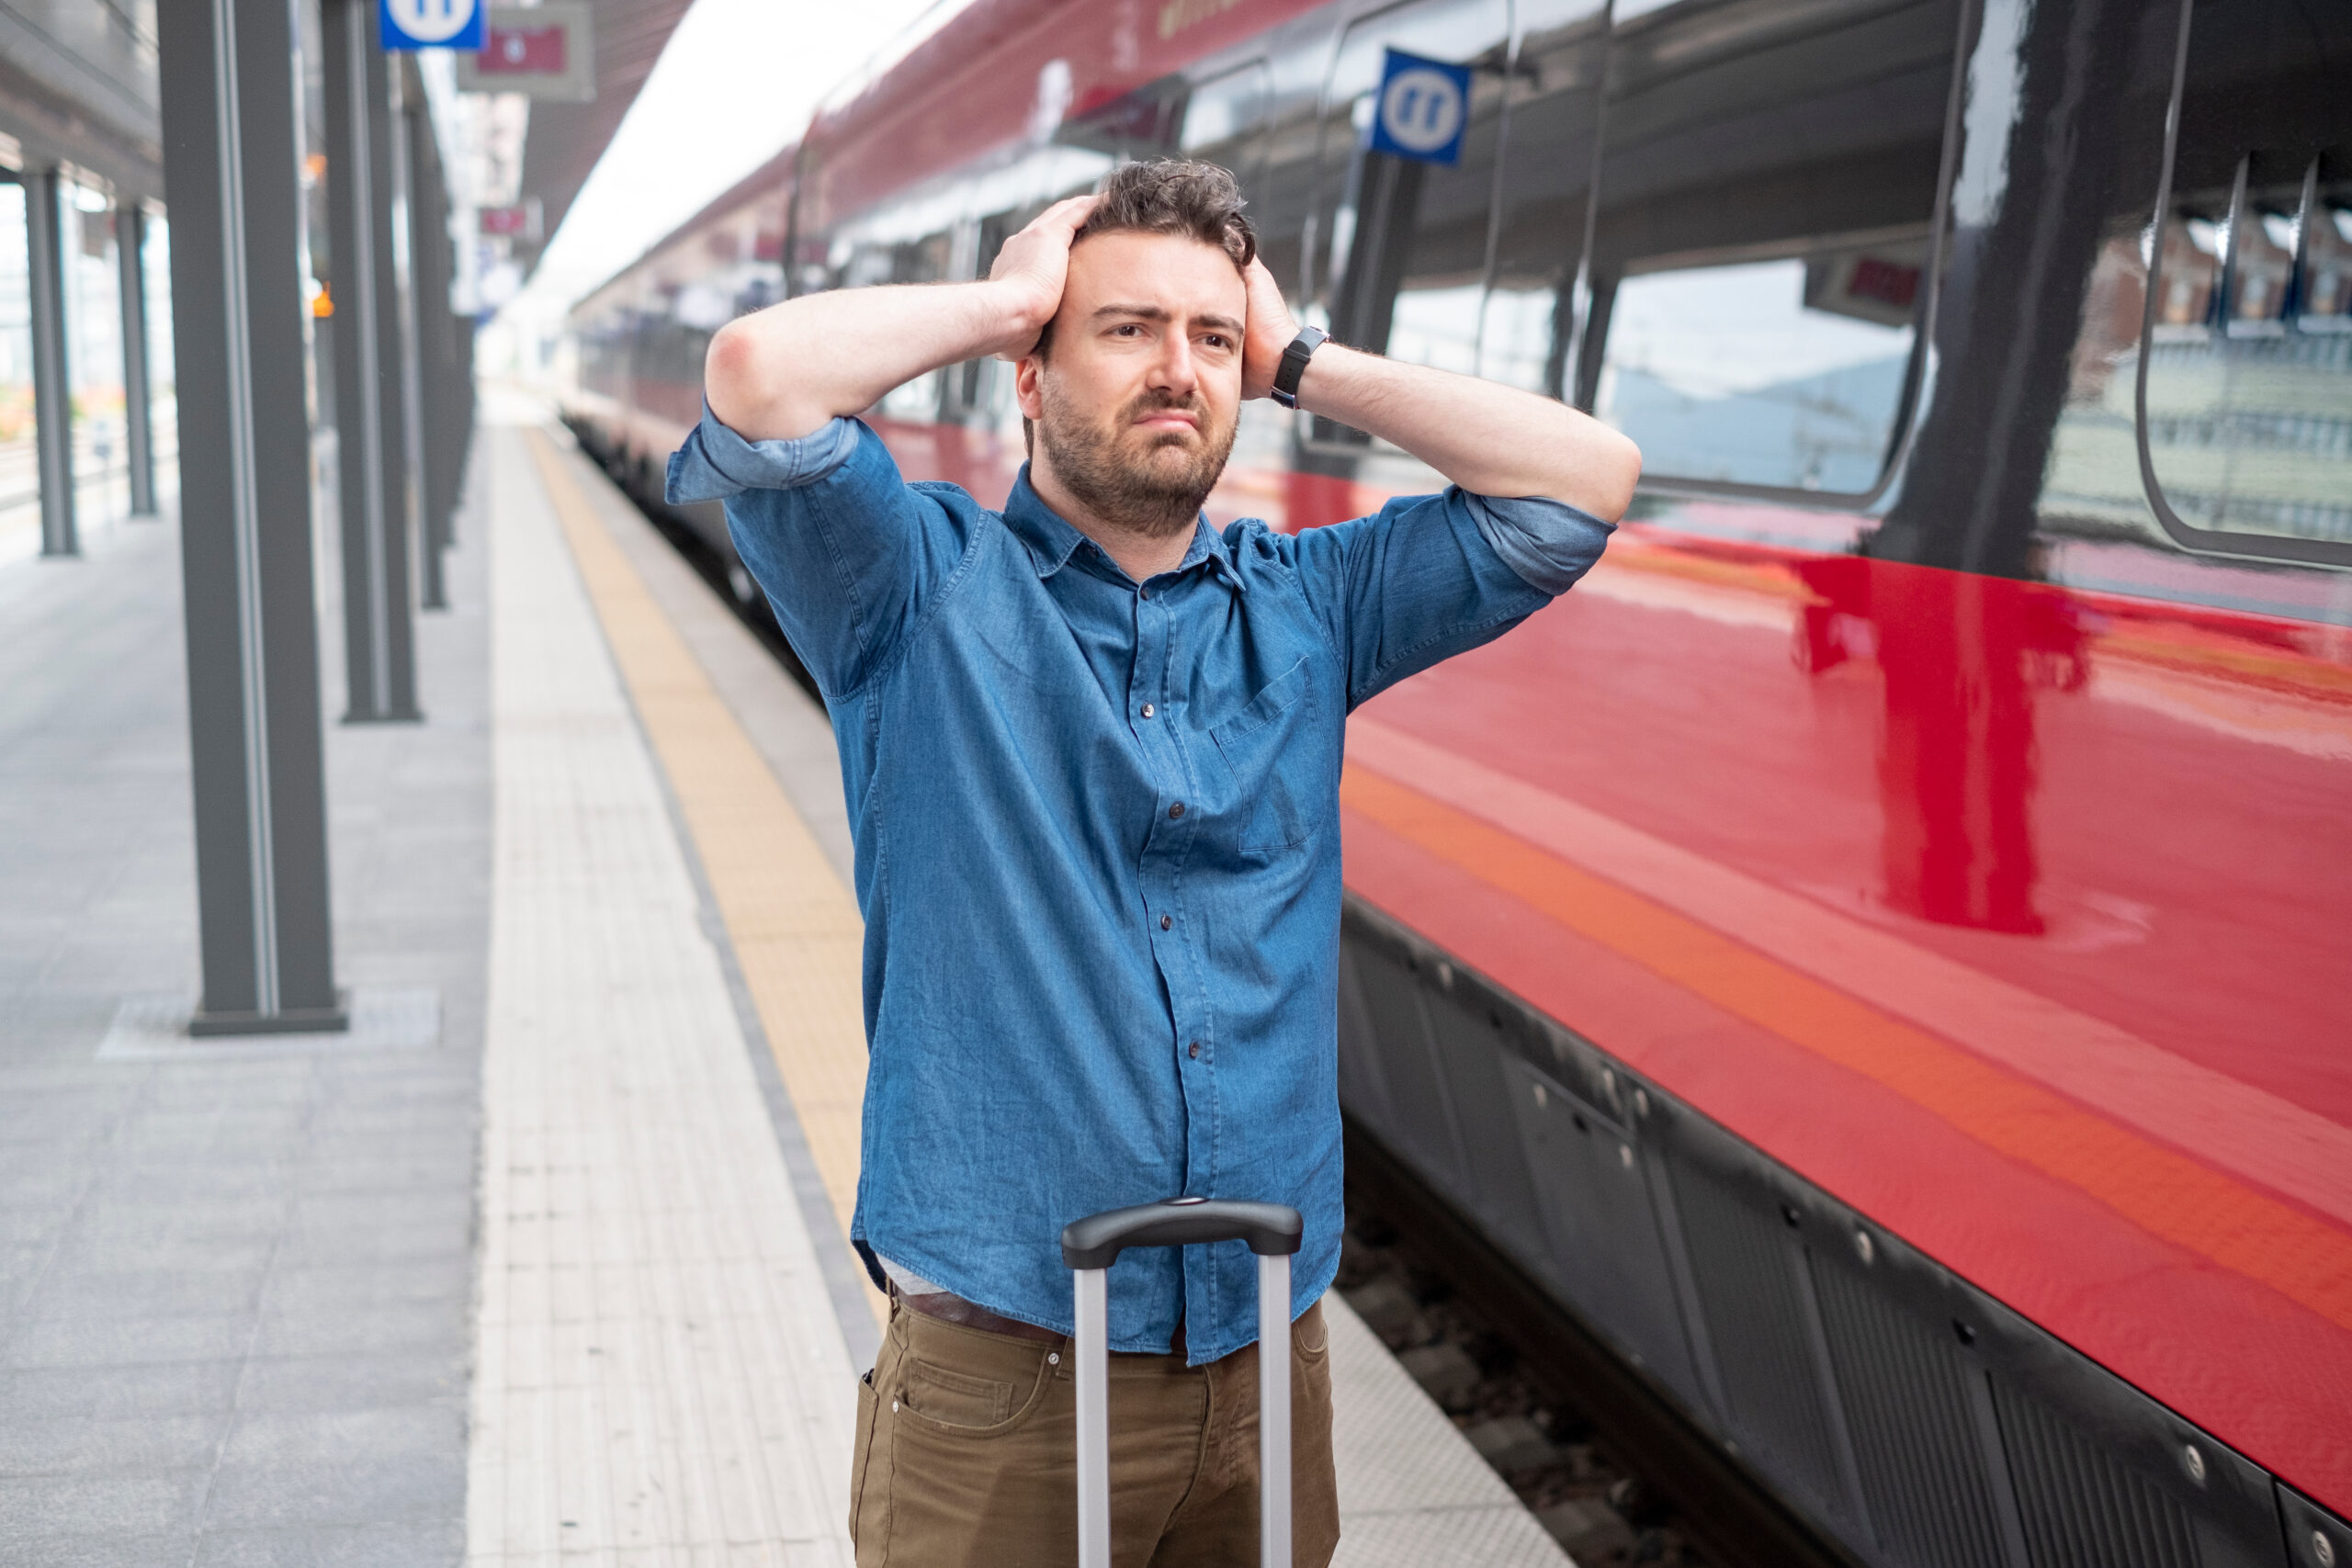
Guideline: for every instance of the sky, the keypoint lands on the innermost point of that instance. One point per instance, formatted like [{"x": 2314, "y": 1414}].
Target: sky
[{"x": 737, "y": 82}]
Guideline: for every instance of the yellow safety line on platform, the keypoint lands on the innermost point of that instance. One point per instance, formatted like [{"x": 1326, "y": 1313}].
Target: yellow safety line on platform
[{"x": 795, "y": 928}]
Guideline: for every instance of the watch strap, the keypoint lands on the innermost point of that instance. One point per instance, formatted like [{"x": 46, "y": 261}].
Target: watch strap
[{"x": 1293, "y": 366}]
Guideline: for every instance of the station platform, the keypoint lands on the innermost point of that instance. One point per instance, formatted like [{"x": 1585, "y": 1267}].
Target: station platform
[{"x": 545, "y": 1262}]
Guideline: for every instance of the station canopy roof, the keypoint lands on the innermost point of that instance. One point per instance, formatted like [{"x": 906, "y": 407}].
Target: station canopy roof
[
  {"x": 78, "y": 85},
  {"x": 564, "y": 140}
]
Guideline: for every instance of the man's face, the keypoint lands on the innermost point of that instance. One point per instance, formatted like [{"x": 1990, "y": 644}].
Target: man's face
[{"x": 1136, "y": 403}]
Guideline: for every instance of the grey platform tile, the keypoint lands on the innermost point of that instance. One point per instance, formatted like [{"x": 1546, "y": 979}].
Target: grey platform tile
[
  {"x": 127, "y": 1506},
  {"x": 37, "y": 1226},
  {"x": 120, "y": 1250},
  {"x": 381, "y": 1381},
  {"x": 99, "y": 1296},
  {"x": 162, "y": 1181},
  {"x": 424, "y": 1160},
  {"x": 44, "y": 1114},
  {"x": 434, "y": 1544},
  {"x": 158, "y": 1391},
  {"x": 330, "y": 1290},
  {"x": 80, "y": 1445},
  {"x": 147, "y": 1224},
  {"x": 74, "y": 1340},
  {"x": 340, "y": 1215},
  {"x": 385, "y": 1243},
  {"x": 356, "y": 1468},
  {"x": 103, "y": 1550},
  {"x": 442, "y": 1326},
  {"x": 43, "y": 1183}
]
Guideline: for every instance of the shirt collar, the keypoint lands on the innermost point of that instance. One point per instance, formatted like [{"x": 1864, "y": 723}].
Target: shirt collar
[{"x": 1051, "y": 541}]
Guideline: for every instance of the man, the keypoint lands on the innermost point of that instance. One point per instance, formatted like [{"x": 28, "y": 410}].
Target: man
[{"x": 1092, "y": 749}]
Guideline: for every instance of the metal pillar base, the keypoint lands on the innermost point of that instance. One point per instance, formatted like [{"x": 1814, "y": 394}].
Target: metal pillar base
[{"x": 336, "y": 1019}]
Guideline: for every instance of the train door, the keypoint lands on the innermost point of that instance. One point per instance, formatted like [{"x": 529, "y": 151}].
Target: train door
[
  {"x": 1761, "y": 242},
  {"x": 1536, "y": 283}
]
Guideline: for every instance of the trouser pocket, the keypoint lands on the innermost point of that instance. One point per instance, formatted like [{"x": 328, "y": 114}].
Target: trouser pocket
[{"x": 862, "y": 1450}]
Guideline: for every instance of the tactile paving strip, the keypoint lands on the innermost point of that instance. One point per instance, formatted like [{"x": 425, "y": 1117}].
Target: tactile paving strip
[{"x": 660, "y": 1377}]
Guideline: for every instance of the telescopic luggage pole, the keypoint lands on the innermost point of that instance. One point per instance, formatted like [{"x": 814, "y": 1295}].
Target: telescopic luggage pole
[{"x": 1089, "y": 1246}]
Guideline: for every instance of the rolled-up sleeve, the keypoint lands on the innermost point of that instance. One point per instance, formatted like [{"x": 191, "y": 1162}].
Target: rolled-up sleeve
[
  {"x": 716, "y": 463},
  {"x": 847, "y": 551},
  {"x": 1431, "y": 576},
  {"x": 1549, "y": 543}
]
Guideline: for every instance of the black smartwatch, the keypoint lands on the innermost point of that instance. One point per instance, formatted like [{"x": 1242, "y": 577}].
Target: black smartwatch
[{"x": 1302, "y": 348}]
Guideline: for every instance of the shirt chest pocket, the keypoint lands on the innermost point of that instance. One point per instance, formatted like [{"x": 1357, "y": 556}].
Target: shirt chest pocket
[{"x": 1270, "y": 754}]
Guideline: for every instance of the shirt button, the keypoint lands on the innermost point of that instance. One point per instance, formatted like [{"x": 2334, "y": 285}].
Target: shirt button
[
  {"x": 1147, "y": 710},
  {"x": 1163, "y": 922},
  {"x": 1176, "y": 810},
  {"x": 1193, "y": 1050}
]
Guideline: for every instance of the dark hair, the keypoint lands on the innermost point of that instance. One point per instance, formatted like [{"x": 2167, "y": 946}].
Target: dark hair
[
  {"x": 1170, "y": 196},
  {"x": 1175, "y": 196}
]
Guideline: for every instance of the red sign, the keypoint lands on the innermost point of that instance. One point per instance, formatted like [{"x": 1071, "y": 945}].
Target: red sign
[
  {"x": 1889, "y": 281},
  {"x": 522, "y": 51},
  {"x": 505, "y": 220}
]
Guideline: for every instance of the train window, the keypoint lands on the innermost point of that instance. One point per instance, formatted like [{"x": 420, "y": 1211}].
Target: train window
[
  {"x": 1548, "y": 145},
  {"x": 927, "y": 260},
  {"x": 1221, "y": 117},
  {"x": 1786, "y": 373},
  {"x": 2243, "y": 382},
  {"x": 1768, "y": 181},
  {"x": 1407, "y": 252}
]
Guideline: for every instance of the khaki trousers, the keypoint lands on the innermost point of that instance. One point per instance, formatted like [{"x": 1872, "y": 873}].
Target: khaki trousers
[{"x": 965, "y": 1453}]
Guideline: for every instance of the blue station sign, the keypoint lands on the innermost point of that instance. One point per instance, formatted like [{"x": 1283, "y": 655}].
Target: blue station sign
[
  {"x": 430, "y": 24},
  {"x": 1424, "y": 108}
]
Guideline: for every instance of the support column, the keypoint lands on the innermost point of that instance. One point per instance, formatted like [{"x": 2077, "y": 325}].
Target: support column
[
  {"x": 370, "y": 405},
  {"x": 429, "y": 294},
  {"x": 407, "y": 98},
  {"x": 52, "y": 383},
  {"x": 138, "y": 397},
  {"x": 230, "y": 141}
]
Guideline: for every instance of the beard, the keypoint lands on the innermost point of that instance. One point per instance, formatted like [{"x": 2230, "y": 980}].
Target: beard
[{"x": 1152, "y": 482}]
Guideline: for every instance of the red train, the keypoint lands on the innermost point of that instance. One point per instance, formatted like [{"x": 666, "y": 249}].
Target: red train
[{"x": 1880, "y": 951}]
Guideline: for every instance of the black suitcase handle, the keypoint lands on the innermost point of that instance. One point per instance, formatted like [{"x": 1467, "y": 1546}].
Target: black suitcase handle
[{"x": 1272, "y": 1230}]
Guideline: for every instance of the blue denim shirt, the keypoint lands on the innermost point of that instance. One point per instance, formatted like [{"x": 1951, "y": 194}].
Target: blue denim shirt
[{"x": 1098, "y": 846}]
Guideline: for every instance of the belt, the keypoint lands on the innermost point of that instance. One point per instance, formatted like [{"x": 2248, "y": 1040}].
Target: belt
[{"x": 949, "y": 1307}]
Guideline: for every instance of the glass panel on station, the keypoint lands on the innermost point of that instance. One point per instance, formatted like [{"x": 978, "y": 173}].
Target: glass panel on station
[
  {"x": 19, "y": 464},
  {"x": 93, "y": 353},
  {"x": 1768, "y": 185}
]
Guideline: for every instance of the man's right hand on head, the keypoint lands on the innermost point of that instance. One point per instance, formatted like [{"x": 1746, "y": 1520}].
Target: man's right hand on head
[{"x": 1030, "y": 271}]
